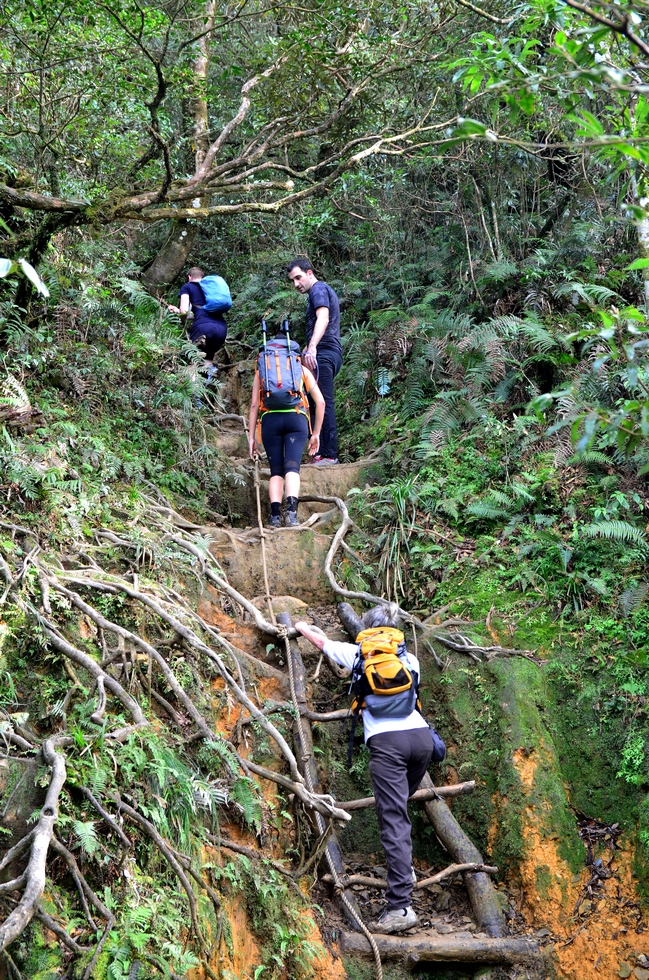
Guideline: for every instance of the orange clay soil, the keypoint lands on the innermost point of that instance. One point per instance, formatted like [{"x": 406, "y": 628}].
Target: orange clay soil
[
  {"x": 590, "y": 945},
  {"x": 245, "y": 955}
]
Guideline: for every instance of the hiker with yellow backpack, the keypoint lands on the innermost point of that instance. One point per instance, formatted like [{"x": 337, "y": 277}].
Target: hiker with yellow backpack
[
  {"x": 385, "y": 683},
  {"x": 279, "y": 418}
]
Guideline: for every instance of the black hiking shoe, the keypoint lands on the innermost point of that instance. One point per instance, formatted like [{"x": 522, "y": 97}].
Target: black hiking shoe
[
  {"x": 275, "y": 521},
  {"x": 291, "y": 519}
]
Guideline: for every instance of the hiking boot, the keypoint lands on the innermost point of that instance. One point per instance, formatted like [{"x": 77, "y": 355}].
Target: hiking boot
[
  {"x": 394, "y": 920},
  {"x": 275, "y": 521},
  {"x": 324, "y": 461},
  {"x": 290, "y": 520}
]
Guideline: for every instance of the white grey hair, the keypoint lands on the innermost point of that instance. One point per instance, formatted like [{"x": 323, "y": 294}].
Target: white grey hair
[{"x": 387, "y": 614}]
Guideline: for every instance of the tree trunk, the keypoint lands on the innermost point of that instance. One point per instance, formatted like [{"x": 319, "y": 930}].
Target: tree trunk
[
  {"x": 173, "y": 256},
  {"x": 643, "y": 244}
]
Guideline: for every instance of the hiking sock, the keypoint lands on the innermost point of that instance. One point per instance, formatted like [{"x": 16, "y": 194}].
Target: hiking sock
[
  {"x": 275, "y": 508},
  {"x": 291, "y": 504}
]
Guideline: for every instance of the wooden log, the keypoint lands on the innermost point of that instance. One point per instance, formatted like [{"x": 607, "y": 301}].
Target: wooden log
[
  {"x": 307, "y": 765},
  {"x": 488, "y": 914},
  {"x": 458, "y": 789},
  {"x": 382, "y": 883},
  {"x": 339, "y": 715},
  {"x": 350, "y": 620},
  {"x": 430, "y": 948}
]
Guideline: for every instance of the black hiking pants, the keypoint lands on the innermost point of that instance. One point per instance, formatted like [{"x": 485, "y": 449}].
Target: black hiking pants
[
  {"x": 329, "y": 364},
  {"x": 398, "y": 762},
  {"x": 284, "y": 435}
]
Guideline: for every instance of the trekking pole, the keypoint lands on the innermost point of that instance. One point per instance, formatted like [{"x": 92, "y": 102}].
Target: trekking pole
[
  {"x": 288, "y": 348},
  {"x": 263, "y": 330},
  {"x": 262, "y": 535}
]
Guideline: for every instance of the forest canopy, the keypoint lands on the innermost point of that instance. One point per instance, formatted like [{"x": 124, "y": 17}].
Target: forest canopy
[{"x": 193, "y": 112}]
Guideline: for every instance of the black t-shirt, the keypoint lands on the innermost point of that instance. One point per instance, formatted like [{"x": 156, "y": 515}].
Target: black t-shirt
[
  {"x": 322, "y": 294},
  {"x": 203, "y": 323}
]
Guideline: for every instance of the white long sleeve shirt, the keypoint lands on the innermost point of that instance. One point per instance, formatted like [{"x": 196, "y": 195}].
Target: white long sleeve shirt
[{"x": 345, "y": 655}]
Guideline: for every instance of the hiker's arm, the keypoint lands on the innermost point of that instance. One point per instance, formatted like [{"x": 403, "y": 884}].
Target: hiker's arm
[
  {"x": 321, "y": 324},
  {"x": 317, "y": 637},
  {"x": 183, "y": 309},
  {"x": 318, "y": 399},
  {"x": 341, "y": 653},
  {"x": 254, "y": 412}
]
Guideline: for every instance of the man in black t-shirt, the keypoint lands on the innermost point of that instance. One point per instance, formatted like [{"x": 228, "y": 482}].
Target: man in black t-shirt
[
  {"x": 323, "y": 353},
  {"x": 207, "y": 330}
]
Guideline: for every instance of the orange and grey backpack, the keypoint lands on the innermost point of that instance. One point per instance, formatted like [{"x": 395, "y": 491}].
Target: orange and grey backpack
[
  {"x": 381, "y": 681},
  {"x": 281, "y": 382}
]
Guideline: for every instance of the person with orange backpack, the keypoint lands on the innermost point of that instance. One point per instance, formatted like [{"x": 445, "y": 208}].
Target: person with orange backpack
[
  {"x": 279, "y": 418},
  {"x": 385, "y": 684}
]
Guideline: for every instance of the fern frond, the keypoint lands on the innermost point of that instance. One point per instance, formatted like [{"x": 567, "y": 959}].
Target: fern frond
[
  {"x": 590, "y": 292},
  {"x": 615, "y": 531},
  {"x": 245, "y": 795},
  {"x": 497, "y": 272},
  {"x": 633, "y": 597},
  {"x": 12, "y": 393},
  {"x": 484, "y": 510},
  {"x": 591, "y": 458},
  {"x": 86, "y": 835}
]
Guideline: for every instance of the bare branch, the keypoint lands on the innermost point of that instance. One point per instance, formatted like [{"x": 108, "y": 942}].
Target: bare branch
[
  {"x": 236, "y": 120},
  {"x": 620, "y": 26},
  {"x": 483, "y": 13}
]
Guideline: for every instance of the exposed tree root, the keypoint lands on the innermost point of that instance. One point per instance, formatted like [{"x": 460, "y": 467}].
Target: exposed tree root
[
  {"x": 33, "y": 877},
  {"x": 169, "y": 856},
  {"x": 121, "y": 680}
]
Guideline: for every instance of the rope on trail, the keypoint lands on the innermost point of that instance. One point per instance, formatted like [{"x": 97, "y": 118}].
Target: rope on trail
[
  {"x": 262, "y": 535},
  {"x": 322, "y": 828}
]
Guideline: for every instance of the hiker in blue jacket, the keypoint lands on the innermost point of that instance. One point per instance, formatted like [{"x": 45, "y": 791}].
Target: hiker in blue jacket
[
  {"x": 401, "y": 750},
  {"x": 207, "y": 330}
]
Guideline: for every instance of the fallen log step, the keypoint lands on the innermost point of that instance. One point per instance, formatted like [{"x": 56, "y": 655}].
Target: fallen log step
[
  {"x": 427, "y": 948},
  {"x": 421, "y": 794},
  {"x": 369, "y": 882}
]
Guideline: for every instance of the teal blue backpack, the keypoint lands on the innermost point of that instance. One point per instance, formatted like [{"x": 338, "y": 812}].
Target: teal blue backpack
[{"x": 217, "y": 294}]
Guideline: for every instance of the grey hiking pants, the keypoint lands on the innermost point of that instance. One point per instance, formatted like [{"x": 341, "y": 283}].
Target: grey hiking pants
[{"x": 398, "y": 761}]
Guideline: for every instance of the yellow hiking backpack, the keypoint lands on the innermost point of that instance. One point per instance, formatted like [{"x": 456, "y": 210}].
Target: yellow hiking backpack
[{"x": 381, "y": 681}]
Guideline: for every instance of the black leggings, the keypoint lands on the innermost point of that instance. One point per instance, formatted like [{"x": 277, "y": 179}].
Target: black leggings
[{"x": 284, "y": 435}]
